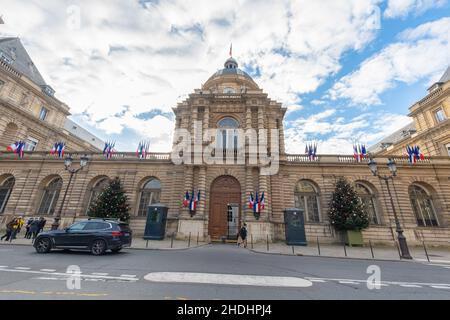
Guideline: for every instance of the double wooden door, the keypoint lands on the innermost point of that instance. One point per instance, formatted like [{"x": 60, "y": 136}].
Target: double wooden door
[{"x": 225, "y": 194}]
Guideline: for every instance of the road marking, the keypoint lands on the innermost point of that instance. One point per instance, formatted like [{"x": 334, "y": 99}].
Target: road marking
[
  {"x": 83, "y": 276},
  {"x": 3, "y": 266},
  {"x": 388, "y": 283},
  {"x": 349, "y": 282},
  {"x": 22, "y": 268},
  {"x": 48, "y": 270},
  {"x": 316, "y": 280},
  {"x": 410, "y": 286},
  {"x": 55, "y": 293},
  {"x": 441, "y": 287},
  {"x": 128, "y": 275},
  {"x": 227, "y": 279},
  {"x": 48, "y": 278},
  {"x": 99, "y": 274}
]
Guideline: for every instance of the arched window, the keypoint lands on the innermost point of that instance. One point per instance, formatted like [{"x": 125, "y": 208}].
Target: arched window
[
  {"x": 307, "y": 198},
  {"x": 150, "y": 194},
  {"x": 50, "y": 197},
  {"x": 96, "y": 190},
  {"x": 5, "y": 191},
  {"x": 227, "y": 134},
  {"x": 423, "y": 207},
  {"x": 229, "y": 90},
  {"x": 10, "y": 133},
  {"x": 367, "y": 198}
]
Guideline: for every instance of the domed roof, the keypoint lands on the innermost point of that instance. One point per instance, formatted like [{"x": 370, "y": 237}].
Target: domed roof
[{"x": 231, "y": 68}]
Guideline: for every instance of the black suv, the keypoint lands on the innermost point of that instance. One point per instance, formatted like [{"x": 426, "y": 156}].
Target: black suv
[{"x": 95, "y": 235}]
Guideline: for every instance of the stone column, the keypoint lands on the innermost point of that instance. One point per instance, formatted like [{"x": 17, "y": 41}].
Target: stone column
[
  {"x": 201, "y": 209},
  {"x": 188, "y": 185},
  {"x": 263, "y": 187},
  {"x": 248, "y": 213}
]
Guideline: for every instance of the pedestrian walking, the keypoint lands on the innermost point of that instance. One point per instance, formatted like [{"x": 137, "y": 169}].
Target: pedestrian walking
[
  {"x": 9, "y": 229},
  {"x": 42, "y": 223},
  {"x": 27, "y": 228},
  {"x": 34, "y": 228},
  {"x": 243, "y": 236},
  {"x": 19, "y": 224}
]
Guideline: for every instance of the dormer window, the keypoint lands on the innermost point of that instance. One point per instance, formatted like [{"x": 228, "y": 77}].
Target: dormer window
[
  {"x": 43, "y": 113},
  {"x": 4, "y": 57}
]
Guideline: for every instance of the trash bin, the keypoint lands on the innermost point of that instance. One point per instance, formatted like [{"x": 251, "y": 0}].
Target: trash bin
[
  {"x": 155, "y": 228},
  {"x": 294, "y": 222}
]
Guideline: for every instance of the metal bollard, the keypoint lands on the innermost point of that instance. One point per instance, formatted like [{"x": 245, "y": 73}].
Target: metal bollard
[
  {"x": 171, "y": 240},
  {"x": 318, "y": 245},
  {"x": 371, "y": 249},
  {"x": 189, "y": 241},
  {"x": 293, "y": 250},
  {"x": 197, "y": 237},
  {"x": 345, "y": 250},
  {"x": 146, "y": 245},
  {"x": 426, "y": 251},
  {"x": 251, "y": 240},
  {"x": 267, "y": 242}
]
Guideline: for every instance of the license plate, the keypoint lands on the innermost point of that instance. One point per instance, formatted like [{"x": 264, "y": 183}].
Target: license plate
[{"x": 126, "y": 234}]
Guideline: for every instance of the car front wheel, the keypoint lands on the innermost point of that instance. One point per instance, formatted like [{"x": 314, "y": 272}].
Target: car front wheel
[
  {"x": 43, "y": 245},
  {"x": 98, "y": 247}
]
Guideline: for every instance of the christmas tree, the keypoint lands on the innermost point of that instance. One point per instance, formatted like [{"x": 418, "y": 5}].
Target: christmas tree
[
  {"x": 346, "y": 209},
  {"x": 112, "y": 202}
]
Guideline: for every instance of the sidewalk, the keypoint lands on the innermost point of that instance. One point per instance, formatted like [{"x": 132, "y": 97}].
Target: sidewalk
[{"x": 436, "y": 255}]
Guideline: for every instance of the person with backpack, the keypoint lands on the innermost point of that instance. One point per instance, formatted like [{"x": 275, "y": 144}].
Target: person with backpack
[{"x": 243, "y": 236}]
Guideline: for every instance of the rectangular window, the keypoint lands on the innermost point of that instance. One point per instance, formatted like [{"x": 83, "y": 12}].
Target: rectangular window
[
  {"x": 30, "y": 144},
  {"x": 440, "y": 115},
  {"x": 43, "y": 114}
]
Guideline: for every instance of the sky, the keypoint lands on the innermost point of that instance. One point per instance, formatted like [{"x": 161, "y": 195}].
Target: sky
[{"x": 347, "y": 71}]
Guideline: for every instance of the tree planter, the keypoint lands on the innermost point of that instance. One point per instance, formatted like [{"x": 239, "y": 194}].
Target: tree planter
[{"x": 354, "y": 238}]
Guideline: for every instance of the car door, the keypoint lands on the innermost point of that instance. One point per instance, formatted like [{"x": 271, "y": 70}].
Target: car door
[
  {"x": 72, "y": 235},
  {"x": 93, "y": 230}
]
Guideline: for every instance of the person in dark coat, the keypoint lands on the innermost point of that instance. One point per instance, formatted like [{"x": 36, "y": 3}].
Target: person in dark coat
[
  {"x": 9, "y": 229},
  {"x": 42, "y": 223},
  {"x": 243, "y": 235},
  {"x": 35, "y": 227},
  {"x": 27, "y": 228}
]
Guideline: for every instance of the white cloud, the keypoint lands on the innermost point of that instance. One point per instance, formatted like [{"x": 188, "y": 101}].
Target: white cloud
[
  {"x": 420, "y": 53},
  {"x": 402, "y": 8},
  {"x": 145, "y": 58},
  {"x": 335, "y": 135}
]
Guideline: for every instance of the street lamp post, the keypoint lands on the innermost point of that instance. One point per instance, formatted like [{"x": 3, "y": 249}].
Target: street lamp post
[
  {"x": 68, "y": 166},
  {"x": 393, "y": 168}
]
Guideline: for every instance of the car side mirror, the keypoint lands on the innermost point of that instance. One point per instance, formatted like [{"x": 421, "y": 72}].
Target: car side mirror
[{"x": 66, "y": 229}]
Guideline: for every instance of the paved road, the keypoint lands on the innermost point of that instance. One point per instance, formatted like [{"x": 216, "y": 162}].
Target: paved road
[{"x": 211, "y": 272}]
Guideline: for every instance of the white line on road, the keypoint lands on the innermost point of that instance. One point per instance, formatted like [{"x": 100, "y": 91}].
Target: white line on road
[
  {"x": 48, "y": 270},
  {"x": 410, "y": 286},
  {"x": 99, "y": 274},
  {"x": 227, "y": 279},
  {"x": 441, "y": 287},
  {"x": 83, "y": 276},
  {"x": 316, "y": 280},
  {"x": 128, "y": 275},
  {"x": 3, "y": 266},
  {"x": 22, "y": 268},
  {"x": 387, "y": 283},
  {"x": 349, "y": 282}
]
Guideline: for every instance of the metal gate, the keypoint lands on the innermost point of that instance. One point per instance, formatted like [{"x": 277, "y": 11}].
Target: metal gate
[
  {"x": 295, "y": 227},
  {"x": 233, "y": 221}
]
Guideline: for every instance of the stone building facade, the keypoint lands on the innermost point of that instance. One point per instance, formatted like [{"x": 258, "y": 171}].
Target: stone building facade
[
  {"x": 230, "y": 103},
  {"x": 430, "y": 128}
]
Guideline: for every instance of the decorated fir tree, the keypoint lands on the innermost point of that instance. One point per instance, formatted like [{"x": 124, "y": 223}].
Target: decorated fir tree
[
  {"x": 346, "y": 209},
  {"x": 112, "y": 202}
]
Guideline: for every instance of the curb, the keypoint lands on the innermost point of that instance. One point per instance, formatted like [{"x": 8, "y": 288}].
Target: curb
[
  {"x": 332, "y": 257},
  {"x": 127, "y": 248}
]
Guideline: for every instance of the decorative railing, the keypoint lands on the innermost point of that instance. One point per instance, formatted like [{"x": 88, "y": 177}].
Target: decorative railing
[
  {"x": 301, "y": 158},
  {"x": 431, "y": 96},
  {"x": 116, "y": 156},
  {"x": 9, "y": 69}
]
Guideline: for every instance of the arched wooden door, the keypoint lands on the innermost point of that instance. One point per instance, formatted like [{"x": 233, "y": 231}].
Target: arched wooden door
[{"x": 224, "y": 209}]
